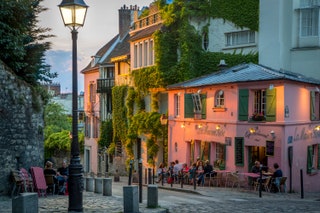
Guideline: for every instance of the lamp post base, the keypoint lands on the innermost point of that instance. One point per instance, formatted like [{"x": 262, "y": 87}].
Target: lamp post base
[{"x": 75, "y": 185}]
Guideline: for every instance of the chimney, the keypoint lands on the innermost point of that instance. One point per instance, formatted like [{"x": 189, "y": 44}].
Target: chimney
[
  {"x": 124, "y": 20},
  {"x": 222, "y": 65}
]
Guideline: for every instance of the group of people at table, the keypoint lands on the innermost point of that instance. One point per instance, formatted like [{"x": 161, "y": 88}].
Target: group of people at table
[
  {"x": 60, "y": 175},
  {"x": 199, "y": 170},
  {"x": 196, "y": 172}
]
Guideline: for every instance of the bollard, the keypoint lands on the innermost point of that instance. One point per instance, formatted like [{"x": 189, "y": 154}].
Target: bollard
[
  {"x": 260, "y": 182},
  {"x": 130, "y": 199},
  {"x": 152, "y": 201},
  {"x": 84, "y": 183},
  {"x": 90, "y": 184},
  {"x": 301, "y": 183},
  {"x": 194, "y": 179},
  {"x": 107, "y": 187},
  {"x": 162, "y": 176},
  {"x": 130, "y": 173},
  {"x": 98, "y": 185},
  {"x": 25, "y": 202}
]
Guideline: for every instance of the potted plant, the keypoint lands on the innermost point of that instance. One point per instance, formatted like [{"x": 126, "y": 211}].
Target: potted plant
[{"x": 258, "y": 117}]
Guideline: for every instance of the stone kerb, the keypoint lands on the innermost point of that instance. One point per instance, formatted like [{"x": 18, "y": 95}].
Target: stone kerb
[
  {"x": 107, "y": 187},
  {"x": 130, "y": 199},
  {"x": 98, "y": 185},
  {"x": 152, "y": 201},
  {"x": 90, "y": 184}
]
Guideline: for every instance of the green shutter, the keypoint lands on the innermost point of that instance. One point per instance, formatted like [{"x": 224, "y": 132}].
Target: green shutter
[
  {"x": 318, "y": 156},
  {"x": 188, "y": 106},
  {"x": 239, "y": 151},
  {"x": 271, "y": 103},
  {"x": 309, "y": 160},
  {"x": 313, "y": 106},
  {"x": 192, "y": 152},
  {"x": 202, "y": 145},
  {"x": 204, "y": 106},
  {"x": 243, "y": 104}
]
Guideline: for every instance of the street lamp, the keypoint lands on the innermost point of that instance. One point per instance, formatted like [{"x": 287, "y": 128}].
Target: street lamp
[
  {"x": 73, "y": 13},
  {"x": 164, "y": 122}
]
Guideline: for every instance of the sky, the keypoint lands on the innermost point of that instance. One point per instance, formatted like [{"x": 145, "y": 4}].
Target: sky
[{"x": 100, "y": 26}]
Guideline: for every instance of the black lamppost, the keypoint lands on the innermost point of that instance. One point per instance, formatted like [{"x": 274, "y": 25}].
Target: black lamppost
[
  {"x": 73, "y": 13},
  {"x": 164, "y": 122}
]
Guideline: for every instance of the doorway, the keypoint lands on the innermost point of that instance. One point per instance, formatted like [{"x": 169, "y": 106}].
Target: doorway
[{"x": 257, "y": 153}]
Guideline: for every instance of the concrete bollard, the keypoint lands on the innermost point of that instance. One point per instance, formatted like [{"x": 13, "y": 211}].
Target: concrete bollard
[
  {"x": 25, "y": 202},
  {"x": 98, "y": 185},
  {"x": 152, "y": 201},
  {"x": 107, "y": 186},
  {"x": 130, "y": 199},
  {"x": 90, "y": 184},
  {"x": 84, "y": 183}
]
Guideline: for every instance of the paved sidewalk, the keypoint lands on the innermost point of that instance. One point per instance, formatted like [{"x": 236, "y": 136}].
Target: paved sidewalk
[{"x": 93, "y": 202}]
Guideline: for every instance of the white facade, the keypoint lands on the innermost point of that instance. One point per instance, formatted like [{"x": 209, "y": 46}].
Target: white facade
[{"x": 289, "y": 38}]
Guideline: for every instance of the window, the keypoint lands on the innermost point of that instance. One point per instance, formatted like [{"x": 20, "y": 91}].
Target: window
[
  {"x": 314, "y": 106},
  {"x": 309, "y": 18},
  {"x": 313, "y": 159},
  {"x": 220, "y": 156},
  {"x": 196, "y": 102},
  {"x": 259, "y": 105},
  {"x": 195, "y": 105},
  {"x": 93, "y": 90},
  {"x": 146, "y": 53},
  {"x": 205, "y": 41},
  {"x": 140, "y": 55},
  {"x": 240, "y": 38},
  {"x": 264, "y": 104},
  {"x": 219, "y": 99},
  {"x": 135, "y": 62},
  {"x": 176, "y": 105}
]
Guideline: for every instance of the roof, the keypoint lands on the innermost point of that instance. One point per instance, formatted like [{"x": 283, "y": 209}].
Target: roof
[
  {"x": 145, "y": 32},
  {"x": 243, "y": 73},
  {"x": 121, "y": 48},
  {"x": 100, "y": 53}
]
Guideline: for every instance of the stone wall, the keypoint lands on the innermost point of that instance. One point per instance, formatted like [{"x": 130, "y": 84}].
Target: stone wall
[{"x": 21, "y": 127}]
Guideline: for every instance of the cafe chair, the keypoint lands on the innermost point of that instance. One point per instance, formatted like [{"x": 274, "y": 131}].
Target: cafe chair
[
  {"x": 281, "y": 183},
  {"x": 50, "y": 183}
]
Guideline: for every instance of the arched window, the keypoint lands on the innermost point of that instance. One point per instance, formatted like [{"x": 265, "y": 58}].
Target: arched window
[
  {"x": 205, "y": 40},
  {"x": 219, "y": 99}
]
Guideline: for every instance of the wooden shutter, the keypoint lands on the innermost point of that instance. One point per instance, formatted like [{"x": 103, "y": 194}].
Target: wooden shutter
[
  {"x": 243, "y": 104},
  {"x": 309, "y": 160},
  {"x": 204, "y": 106},
  {"x": 223, "y": 166},
  {"x": 313, "y": 116},
  {"x": 239, "y": 151},
  {"x": 188, "y": 106},
  {"x": 271, "y": 103}
]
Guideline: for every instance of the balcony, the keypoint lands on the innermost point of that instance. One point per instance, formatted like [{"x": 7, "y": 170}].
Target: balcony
[{"x": 105, "y": 85}]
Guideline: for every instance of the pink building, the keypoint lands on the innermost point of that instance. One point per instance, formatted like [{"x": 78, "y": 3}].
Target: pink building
[{"x": 246, "y": 113}]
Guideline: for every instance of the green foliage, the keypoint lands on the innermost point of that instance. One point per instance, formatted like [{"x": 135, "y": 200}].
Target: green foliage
[
  {"x": 150, "y": 73},
  {"x": 57, "y": 142},
  {"x": 54, "y": 115},
  {"x": 22, "y": 41},
  {"x": 119, "y": 113},
  {"x": 106, "y": 134}
]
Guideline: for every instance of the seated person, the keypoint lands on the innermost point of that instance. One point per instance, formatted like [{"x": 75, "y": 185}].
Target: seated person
[
  {"x": 277, "y": 174},
  {"x": 48, "y": 170},
  {"x": 63, "y": 173},
  {"x": 200, "y": 173},
  {"x": 256, "y": 167},
  {"x": 208, "y": 169}
]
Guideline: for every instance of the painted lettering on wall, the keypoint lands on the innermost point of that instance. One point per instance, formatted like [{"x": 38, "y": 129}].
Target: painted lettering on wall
[
  {"x": 215, "y": 132},
  {"x": 305, "y": 134}
]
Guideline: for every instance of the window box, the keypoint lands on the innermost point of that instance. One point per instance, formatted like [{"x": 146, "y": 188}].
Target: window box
[
  {"x": 219, "y": 109},
  {"x": 258, "y": 117}
]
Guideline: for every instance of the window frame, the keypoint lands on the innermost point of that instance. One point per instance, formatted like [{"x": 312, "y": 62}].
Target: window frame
[
  {"x": 218, "y": 98},
  {"x": 177, "y": 102},
  {"x": 240, "y": 38}
]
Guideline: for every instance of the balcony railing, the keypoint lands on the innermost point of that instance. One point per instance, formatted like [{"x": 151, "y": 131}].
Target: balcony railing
[{"x": 105, "y": 85}]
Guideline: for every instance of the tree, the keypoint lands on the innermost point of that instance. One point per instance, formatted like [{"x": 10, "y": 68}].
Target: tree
[{"x": 22, "y": 41}]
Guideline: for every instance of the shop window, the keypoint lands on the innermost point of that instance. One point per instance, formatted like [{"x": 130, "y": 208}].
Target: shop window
[
  {"x": 313, "y": 159},
  {"x": 220, "y": 161}
]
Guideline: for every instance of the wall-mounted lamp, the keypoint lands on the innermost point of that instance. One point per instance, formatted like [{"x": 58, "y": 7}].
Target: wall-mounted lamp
[
  {"x": 199, "y": 91},
  {"x": 183, "y": 125},
  {"x": 317, "y": 128},
  {"x": 252, "y": 130},
  {"x": 273, "y": 135},
  {"x": 200, "y": 126},
  {"x": 218, "y": 127}
]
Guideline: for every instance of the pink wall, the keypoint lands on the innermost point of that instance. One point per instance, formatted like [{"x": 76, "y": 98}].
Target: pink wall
[{"x": 295, "y": 96}]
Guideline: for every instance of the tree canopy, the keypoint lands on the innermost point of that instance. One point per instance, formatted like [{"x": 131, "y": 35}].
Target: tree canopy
[{"x": 22, "y": 40}]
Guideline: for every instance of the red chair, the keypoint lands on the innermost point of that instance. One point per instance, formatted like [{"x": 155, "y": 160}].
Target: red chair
[{"x": 39, "y": 181}]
